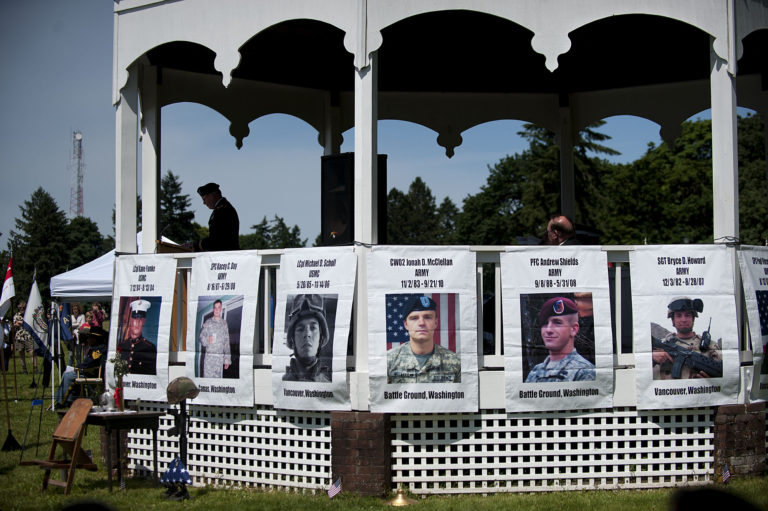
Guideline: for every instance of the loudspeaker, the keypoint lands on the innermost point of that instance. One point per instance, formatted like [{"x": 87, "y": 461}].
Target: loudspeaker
[{"x": 337, "y": 199}]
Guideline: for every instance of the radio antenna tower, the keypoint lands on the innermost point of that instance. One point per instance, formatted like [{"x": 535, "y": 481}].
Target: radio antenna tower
[{"x": 77, "y": 165}]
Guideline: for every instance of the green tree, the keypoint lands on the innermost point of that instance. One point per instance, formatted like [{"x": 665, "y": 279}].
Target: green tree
[
  {"x": 272, "y": 234},
  {"x": 666, "y": 195},
  {"x": 414, "y": 219},
  {"x": 176, "y": 221},
  {"x": 522, "y": 191},
  {"x": 753, "y": 182},
  {"x": 39, "y": 242},
  {"x": 84, "y": 241}
]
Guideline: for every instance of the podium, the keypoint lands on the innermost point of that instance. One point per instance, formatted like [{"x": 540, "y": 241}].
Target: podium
[{"x": 163, "y": 247}]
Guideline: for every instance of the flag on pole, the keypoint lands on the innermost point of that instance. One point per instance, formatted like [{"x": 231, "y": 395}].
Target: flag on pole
[
  {"x": 726, "y": 473},
  {"x": 59, "y": 326},
  {"x": 9, "y": 291},
  {"x": 335, "y": 488},
  {"x": 35, "y": 322}
]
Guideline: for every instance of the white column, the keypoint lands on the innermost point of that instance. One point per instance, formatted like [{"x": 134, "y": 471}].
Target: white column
[
  {"x": 567, "y": 179},
  {"x": 725, "y": 171},
  {"x": 126, "y": 140},
  {"x": 150, "y": 160},
  {"x": 366, "y": 114}
]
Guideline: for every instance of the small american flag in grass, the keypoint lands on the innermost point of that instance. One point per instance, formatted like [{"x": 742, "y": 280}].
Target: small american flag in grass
[
  {"x": 335, "y": 488},
  {"x": 726, "y": 473}
]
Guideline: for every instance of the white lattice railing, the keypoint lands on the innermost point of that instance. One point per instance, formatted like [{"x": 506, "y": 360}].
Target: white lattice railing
[
  {"x": 487, "y": 452},
  {"x": 258, "y": 447},
  {"x": 496, "y": 451}
]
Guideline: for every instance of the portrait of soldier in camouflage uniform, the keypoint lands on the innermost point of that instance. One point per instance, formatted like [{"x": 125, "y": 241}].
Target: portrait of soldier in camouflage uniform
[
  {"x": 421, "y": 360},
  {"x": 684, "y": 354},
  {"x": 214, "y": 337},
  {"x": 559, "y": 326},
  {"x": 308, "y": 336}
]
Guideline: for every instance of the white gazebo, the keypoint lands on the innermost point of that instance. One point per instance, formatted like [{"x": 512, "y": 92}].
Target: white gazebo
[{"x": 448, "y": 65}]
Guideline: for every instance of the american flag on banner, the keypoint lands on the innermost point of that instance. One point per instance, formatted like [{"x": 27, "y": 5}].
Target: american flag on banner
[
  {"x": 335, "y": 488},
  {"x": 447, "y": 309},
  {"x": 762, "y": 310}
]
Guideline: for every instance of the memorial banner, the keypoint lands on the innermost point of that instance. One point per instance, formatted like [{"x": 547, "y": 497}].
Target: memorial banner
[
  {"x": 422, "y": 324},
  {"x": 141, "y": 323},
  {"x": 558, "y": 346},
  {"x": 684, "y": 323},
  {"x": 312, "y": 321},
  {"x": 221, "y": 320},
  {"x": 754, "y": 275}
]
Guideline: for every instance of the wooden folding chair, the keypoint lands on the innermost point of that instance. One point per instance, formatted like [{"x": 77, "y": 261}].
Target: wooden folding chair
[{"x": 68, "y": 435}]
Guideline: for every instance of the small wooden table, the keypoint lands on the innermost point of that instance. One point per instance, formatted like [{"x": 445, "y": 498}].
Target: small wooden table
[{"x": 114, "y": 422}]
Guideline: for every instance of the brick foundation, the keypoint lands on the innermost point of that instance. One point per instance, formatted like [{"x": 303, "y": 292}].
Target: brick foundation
[
  {"x": 361, "y": 452},
  {"x": 740, "y": 439}
]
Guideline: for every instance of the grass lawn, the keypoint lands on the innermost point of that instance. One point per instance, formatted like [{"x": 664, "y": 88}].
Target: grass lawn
[{"x": 20, "y": 486}]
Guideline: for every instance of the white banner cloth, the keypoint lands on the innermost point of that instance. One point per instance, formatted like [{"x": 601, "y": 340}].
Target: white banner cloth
[
  {"x": 401, "y": 278},
  {"x": 702, "y": 274},
  {"x": 754, "y": 275},
  {"x": 221, "y": 316},
  {"x": 558, "y": 346},
  {"x": 312, "y": 320},
  {"x": 141, "y": 323}
]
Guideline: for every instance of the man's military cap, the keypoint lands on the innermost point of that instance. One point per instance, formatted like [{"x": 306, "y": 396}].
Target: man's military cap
[
  {"x": 208, "y": 188},
  {"x": 97, "y": 334},
  {"x": 419, "y": 303},
  {"x": 139, "y": 308},
  {"x": 557, "y": 306}
]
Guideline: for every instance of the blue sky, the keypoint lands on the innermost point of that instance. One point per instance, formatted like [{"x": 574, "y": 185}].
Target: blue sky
[{"x": 56, "y": 58}]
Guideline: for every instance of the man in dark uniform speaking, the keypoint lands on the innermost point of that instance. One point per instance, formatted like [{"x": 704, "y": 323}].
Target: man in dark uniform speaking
[
  {"x": 135, "y": 348},
  {"x": 223, "y": 225}
]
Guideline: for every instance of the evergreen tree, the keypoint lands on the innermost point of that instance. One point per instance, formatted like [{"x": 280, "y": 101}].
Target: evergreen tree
[
  {"x": 39, "y": 243},
  {"x": 176, "y": 222},
  {"x": 272, "y": 234},
  {"x": 414, "y": 219},
  {"x": 84, "y": 241}
]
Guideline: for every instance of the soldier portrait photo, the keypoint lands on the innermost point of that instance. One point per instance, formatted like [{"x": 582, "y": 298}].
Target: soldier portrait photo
[
  {"x": 421, "y": 338},
  {"x": 681, "y": 353},
  {"x": 558, "y": 337},
  {"x": 137, "y": 332},
  {"x": 217, "y": 336},
  {"x": 309, "y": 325}
]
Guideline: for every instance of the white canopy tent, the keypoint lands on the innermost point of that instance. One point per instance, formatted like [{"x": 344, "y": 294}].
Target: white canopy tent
[{"x": 91, "y": 281}]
